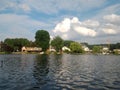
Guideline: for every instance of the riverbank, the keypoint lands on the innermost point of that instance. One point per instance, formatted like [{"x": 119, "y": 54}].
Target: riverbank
[
  {"x": 5, "y": 52},
  {"x": 56, "y": 53}
]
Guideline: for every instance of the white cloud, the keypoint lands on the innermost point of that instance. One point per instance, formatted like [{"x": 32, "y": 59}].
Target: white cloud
[
  {"x": 68, "y": 28},
  {"x": 111, "y": 24},
  {"x": 65, "y": 36},
  {"x": 85, "y": 31},
  {"x": 75, "y": 20},
  {"x": 109, "y": 31},
  {"x": 91, "y": 23},
  {"x": 77, "y": 30},
  {"x": 113, "y": 18},
  {"x": 63, "y": 26}
]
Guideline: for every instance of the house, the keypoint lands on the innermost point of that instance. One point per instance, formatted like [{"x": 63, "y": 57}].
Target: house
[
  {"x": 105, "y": 50},
  {"x": 51, "y": 49},
  {"x": 31, "y": 49},
  {"x": 65, "y": 49},
  {"x": 85, "y": 48}
]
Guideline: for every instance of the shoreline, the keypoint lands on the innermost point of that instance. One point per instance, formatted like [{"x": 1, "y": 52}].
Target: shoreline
[{"x": 2, "y": 53}]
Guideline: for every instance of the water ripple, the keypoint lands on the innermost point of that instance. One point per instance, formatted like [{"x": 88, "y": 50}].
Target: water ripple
[{"x": 59, "y": 72}]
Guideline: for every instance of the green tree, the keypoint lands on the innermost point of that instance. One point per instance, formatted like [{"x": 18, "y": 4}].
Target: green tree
[
  {"x": 57, "y": 43},
  {"x": 16, "y": 43},
  {"x": 6, "y": 48},
  {"x": 67, "y": 43},
  {"x": 76, "y": 47},
  {"x": 42, "y": 39},
  {"x": 32, "y": 44},
  {"x": 96, "y": 49}
]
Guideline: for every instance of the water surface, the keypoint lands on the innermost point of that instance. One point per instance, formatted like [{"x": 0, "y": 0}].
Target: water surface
[{"x": 59, "y": 72}]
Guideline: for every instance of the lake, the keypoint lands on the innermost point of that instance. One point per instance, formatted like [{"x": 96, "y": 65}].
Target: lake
[{"x": 59, "y": 72}]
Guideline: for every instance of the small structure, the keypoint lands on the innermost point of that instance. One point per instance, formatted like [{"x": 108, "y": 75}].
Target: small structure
[
  {"x": 51, "y": 49},
  {"x": 31, "y": 49},
  {"x": 105, "y": 50},
  {"x": 85, "y": 48},
  {"x": 65, "y": 49}
]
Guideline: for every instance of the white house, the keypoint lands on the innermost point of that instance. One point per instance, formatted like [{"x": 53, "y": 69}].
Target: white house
[
  {"x": 52, "y": 49},
  {"x": 65, "y": 49},
  {"x": 31, "y": 49},
  {"x": 105, "y": 50},
  {"x": 85, "y": 48}
]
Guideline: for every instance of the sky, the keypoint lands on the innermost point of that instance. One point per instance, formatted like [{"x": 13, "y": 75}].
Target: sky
[{"x": 91, "y": 21}]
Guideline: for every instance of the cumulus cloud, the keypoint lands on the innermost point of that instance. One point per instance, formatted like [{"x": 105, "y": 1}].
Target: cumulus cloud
[
  {"x": 63, "y": 26},
  {"x": 68, "y": 26},
  {"x": 75, "y": 20},
  {"x": 85, "y": 31},
  {"x": 73, "y": 28},
  {"x": 91, "y": 23}
]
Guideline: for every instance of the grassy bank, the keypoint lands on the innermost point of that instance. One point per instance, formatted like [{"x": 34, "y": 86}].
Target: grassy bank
[{"x": 5, "y": 52}]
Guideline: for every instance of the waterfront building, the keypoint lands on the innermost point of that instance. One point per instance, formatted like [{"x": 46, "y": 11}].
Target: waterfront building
[
  {"x": 105, "y": 50},
  {"x": 31, "y": 49},
  {"x": 65, "y": 49}
]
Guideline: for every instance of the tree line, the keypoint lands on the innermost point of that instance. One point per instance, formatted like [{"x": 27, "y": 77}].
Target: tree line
[{"x": 42, "y": 39}]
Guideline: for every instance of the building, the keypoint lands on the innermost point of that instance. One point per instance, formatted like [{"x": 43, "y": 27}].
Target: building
[
  {"x": 85, "y": 48},
  {"x": 51, "y": 49},
  {"x": 31, "y": 49},
  {"x": 65, "y": 49},
  {"x": 105, "y": 50}
]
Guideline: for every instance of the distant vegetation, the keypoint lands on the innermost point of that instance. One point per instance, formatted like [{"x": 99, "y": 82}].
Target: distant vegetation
[
  {"x": 96, "y": 49},
  {"x": 111, "y": 46},
  {"x": 42, "y": 39},
  {"x": 15, "y": 44},
  {"x": 57, "y": 43},
  {"x": 76, "y": 47}
]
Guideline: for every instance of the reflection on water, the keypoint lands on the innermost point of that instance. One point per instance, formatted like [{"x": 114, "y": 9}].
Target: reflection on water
[
  {"x": 59, "y": 72},
  {"x": 41, "y": 69}
]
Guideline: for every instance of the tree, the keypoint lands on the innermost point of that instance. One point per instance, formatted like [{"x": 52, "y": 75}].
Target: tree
[
  {"x": 96, "y": 49},
  {"x": 76, "y": 47},
  {"x": 32, "y": 44},
  {"x": 67, "y": 43},
  {"x": 16, "y": 43},
  {"x": 6, "y": 48},
  {"x": 57, "y": 43},
  {"x": 42, "y": 39}
]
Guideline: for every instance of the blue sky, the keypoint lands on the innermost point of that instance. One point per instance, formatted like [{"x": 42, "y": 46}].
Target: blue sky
[{"x": 92, "y": 21}]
